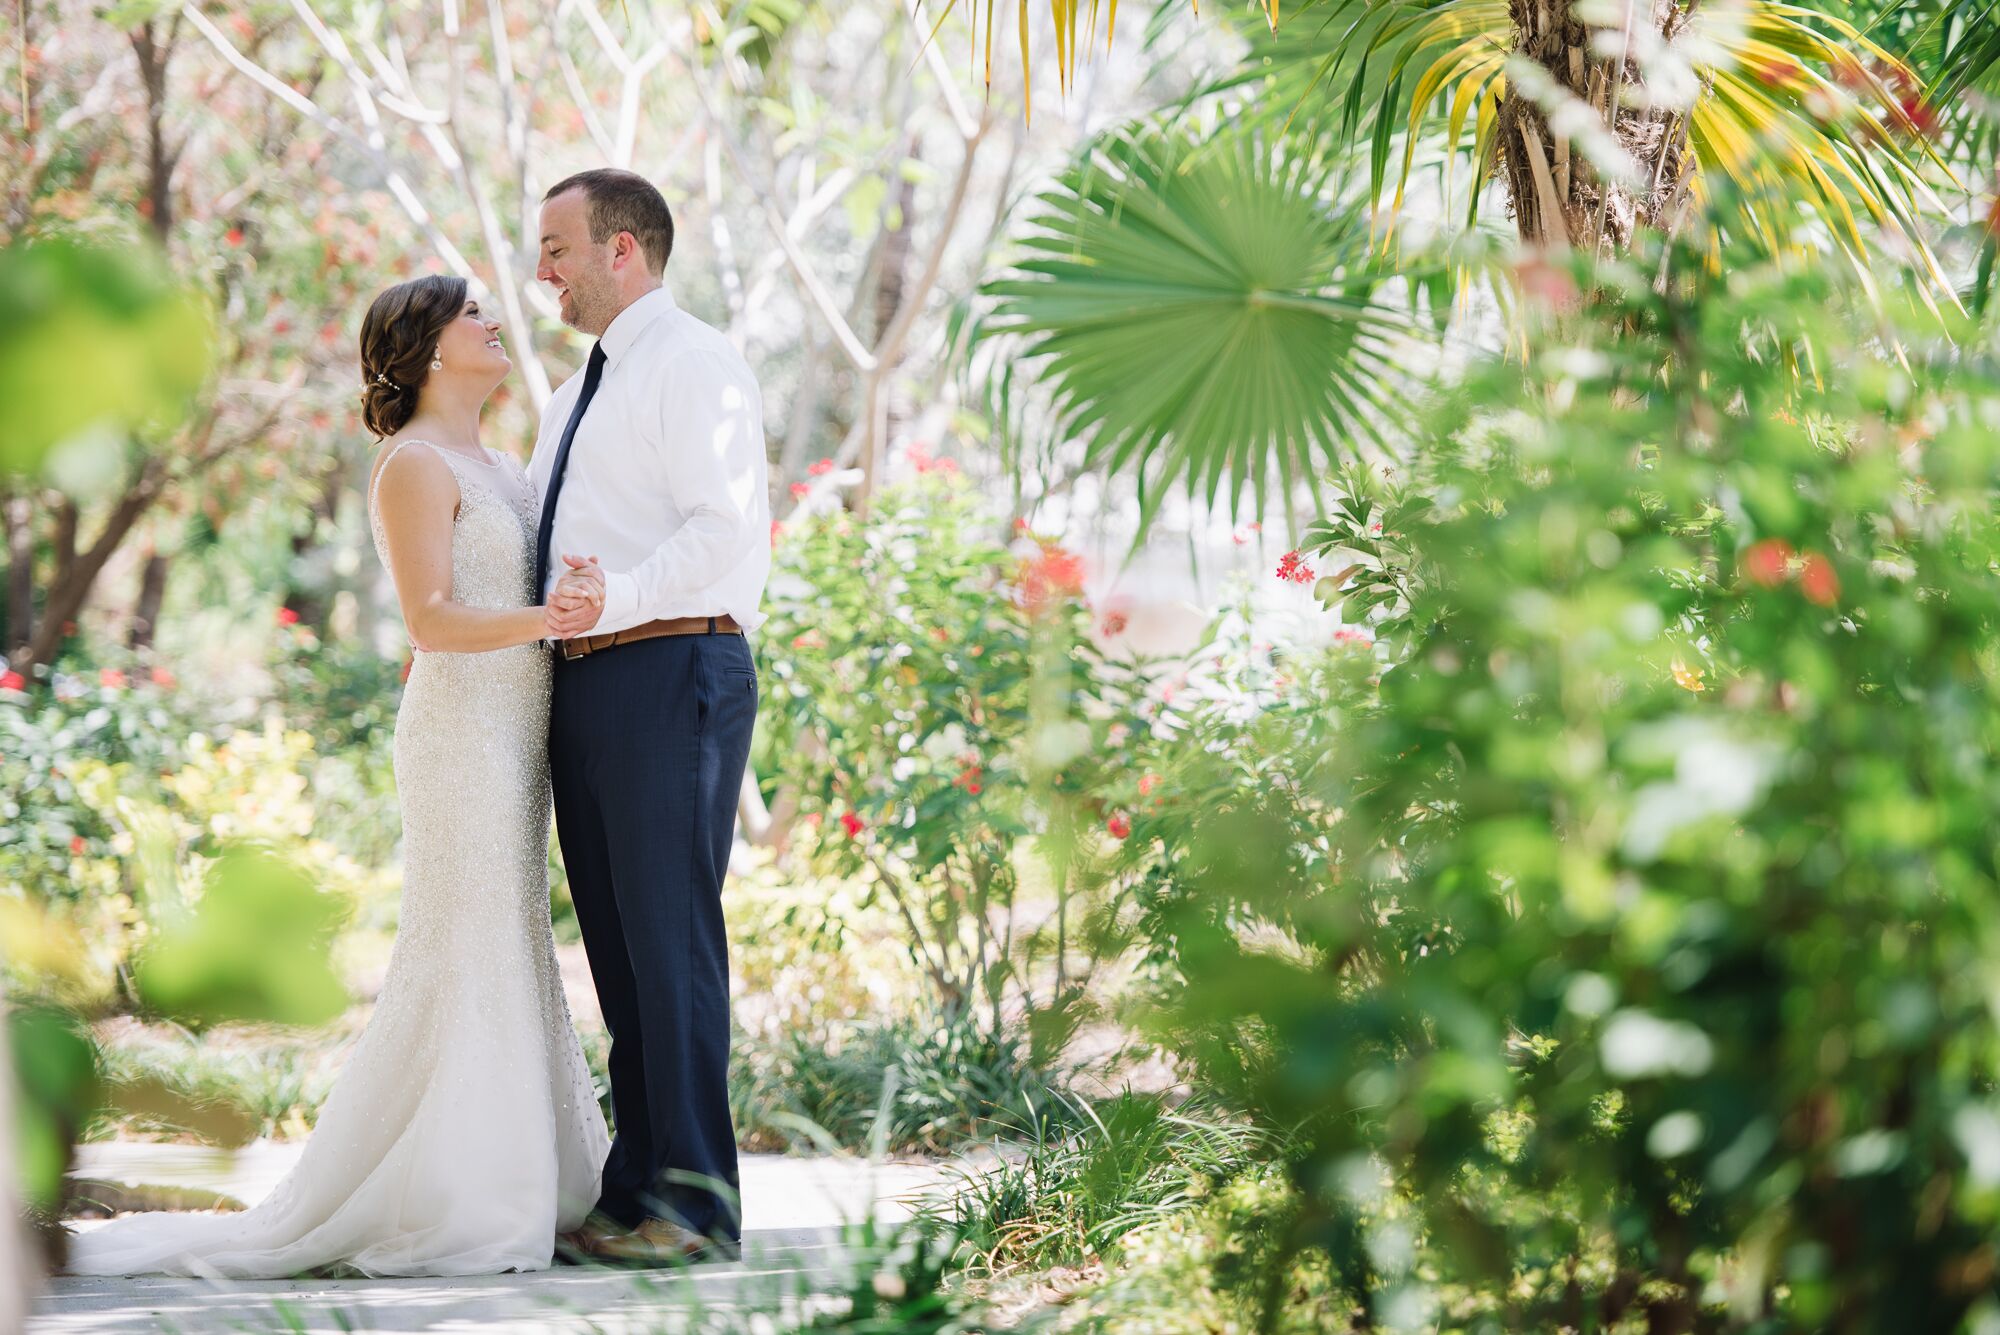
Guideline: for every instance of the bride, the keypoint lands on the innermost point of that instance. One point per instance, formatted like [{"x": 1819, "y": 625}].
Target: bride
[{"x": 463, "y": 1134}]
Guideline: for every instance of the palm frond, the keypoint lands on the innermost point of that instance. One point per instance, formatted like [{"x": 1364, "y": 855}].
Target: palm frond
[{"x": 1208, "y": 314}]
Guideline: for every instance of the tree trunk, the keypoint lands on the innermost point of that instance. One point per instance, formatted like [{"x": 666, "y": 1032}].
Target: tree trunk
[
  {"x": 1559, "y": 197},
  {"x": 19, "y": 515},
  {"x": 154, "y": 52},
  {"x": 152, "y": 593},
  {"x": 76, "y": 572}
]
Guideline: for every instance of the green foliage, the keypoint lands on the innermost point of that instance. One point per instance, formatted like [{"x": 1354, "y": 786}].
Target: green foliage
[
  {"x": 1210, "y": 310},
  {"x": 946, "y": 1081},
  {"x": 934, "y": 700},
  {"x": 91, "y": 338},
  {"x": 1093, "y": 1172},
  {"x": 55, "y": 1075},
  {"x": 254, "y": 947},
  {"x": 1633, "y": 946}
]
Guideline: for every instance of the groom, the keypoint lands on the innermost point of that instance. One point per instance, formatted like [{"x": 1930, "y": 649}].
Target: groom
[{"x": 652, "y": 460}]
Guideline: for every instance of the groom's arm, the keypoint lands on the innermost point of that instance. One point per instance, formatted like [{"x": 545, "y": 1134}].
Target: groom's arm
[{"x": 711, "y": 423}]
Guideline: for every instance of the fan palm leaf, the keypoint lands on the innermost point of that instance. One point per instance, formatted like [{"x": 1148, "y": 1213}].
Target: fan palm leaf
[{"x": 1206, "y": 313}]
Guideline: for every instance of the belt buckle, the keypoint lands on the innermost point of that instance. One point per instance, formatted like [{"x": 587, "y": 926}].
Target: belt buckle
[{"x": 581, "y": 648}]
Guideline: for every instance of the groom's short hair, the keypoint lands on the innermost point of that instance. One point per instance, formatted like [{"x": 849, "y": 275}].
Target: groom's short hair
[{"x": 622, "y": 201}]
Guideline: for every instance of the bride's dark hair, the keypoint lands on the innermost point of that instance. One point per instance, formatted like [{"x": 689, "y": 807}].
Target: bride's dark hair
[{"x": 399, "y": 336}]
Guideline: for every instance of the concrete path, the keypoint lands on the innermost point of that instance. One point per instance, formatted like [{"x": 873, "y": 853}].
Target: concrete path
[{"x": 794, "y": 1209}]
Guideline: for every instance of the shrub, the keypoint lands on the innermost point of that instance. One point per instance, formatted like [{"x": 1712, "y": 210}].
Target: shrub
[{"x": 1629, "y": 954}]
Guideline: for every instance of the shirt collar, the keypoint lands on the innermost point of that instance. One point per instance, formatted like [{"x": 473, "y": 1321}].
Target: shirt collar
[{"x": 629, "y": 323}]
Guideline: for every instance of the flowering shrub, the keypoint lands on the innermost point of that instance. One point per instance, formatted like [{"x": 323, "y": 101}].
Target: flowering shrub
[
  {"x": 932, "y": 701},
  {"x": 1627, "y": 955}
]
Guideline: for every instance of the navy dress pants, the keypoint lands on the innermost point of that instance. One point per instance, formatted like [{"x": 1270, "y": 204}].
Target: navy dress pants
[{"x": 647, "y": 746}]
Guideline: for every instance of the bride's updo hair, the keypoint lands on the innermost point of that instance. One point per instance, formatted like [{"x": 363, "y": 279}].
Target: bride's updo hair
[{"x": 399, "y": 336}]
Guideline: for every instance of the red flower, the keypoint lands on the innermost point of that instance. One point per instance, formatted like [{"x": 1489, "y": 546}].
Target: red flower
[
  {"x": 287, "y": 617},
  {"x": 1349, "y": 635},
  {"x": 853, "y": 824},
  {"x": 111, "y": 679},
  {"x": 1118, "y": 826},
  {"x": 162, "y": 677},
  {"x": 1818, "y": 582},
  {"x": 812, "y": 639},
  {"x": 76, "y": 845},
  {"x": 940, "y": 634},
  {"x": 1147, "y": 783},
  {"x": 799, "y": 489},
  {"x": 1292, "y": 568},
  {"x": 969, "y": 777},
  {"x": 234, "y": 236},
  {"x": 1051, "y": 573},
  {"x": 820, "y": 469},
  {"x": 1114, "y": 623},
  {"x": 1021, "y": 525},
  {"x": 1768, "y": 563},
  {"x": 1919, "y": 114},
  {"x": 776, "y": 528},
  {"x": 13, "y": 681}
]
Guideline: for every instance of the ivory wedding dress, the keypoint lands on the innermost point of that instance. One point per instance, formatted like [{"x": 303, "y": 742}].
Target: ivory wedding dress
[{"x": 462, "y": 1134}]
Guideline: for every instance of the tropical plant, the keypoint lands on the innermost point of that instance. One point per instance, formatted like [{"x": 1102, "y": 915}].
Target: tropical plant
[
  {"x": 1643, "y": 972},
  {"x": 1210, "y": 308}
]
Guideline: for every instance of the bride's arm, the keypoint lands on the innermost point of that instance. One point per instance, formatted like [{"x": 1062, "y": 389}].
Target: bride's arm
[{"x": 417, "y": 499}]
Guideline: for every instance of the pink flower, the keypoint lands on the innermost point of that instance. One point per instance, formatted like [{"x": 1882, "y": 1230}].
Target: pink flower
[
  {"x": 1118, "y": 826},
  {"x": 13, "y": 681},
  {"x": 776, "y": 528},
  {"x": 1147, "y": 783},
  {"x": 111, "y": 679},
  {"x": 820, "y": 469},
  {"x": 234, "y": 236},
  {"x": 1114, "y": 623},
  {"x": 162, "y": 677},
  {"x": 1021, "y": 525},
  {"x": 76, "y": 845},
  {"x": 800, "y": 489},
  {"x": 287, "y": 617},
  {"x": 1349, "y": 635},
  {"x": 1292, "y": 568}
]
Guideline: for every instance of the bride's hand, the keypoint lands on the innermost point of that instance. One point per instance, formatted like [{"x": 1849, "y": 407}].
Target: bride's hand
[{"x": 578, "y": 600}]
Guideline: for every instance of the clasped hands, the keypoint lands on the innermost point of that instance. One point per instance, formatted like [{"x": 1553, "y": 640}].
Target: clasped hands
[{"x": 577, "y": 600}]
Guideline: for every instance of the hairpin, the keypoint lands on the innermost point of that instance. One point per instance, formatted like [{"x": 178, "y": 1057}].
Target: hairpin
[{"x": 384, "y": 379}]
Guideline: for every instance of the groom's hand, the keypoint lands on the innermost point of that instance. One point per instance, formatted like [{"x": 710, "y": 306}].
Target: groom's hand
[{"x": 578, "y": 599}]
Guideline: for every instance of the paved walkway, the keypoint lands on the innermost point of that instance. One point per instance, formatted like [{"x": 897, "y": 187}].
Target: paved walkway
[{"x": 794, "y": 1208}]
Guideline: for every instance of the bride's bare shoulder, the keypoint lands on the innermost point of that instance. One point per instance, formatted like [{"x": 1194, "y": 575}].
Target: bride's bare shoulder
[{"x": 407, "y": 467}]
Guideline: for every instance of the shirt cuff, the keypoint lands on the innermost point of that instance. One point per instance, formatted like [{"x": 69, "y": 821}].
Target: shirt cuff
[{"x": 621, "y": 598}]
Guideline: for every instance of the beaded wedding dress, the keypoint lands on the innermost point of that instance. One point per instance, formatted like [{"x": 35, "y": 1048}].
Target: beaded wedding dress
[{"x": 462, "y": 1135}]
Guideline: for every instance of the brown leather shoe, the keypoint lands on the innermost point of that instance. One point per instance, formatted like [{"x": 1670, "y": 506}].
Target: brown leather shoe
[
  {"x": 653, "y": 1242},
  {"x": 579, "y": 1245}
]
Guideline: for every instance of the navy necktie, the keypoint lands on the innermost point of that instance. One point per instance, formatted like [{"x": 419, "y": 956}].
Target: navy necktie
[{"x": 593, "y": 372}]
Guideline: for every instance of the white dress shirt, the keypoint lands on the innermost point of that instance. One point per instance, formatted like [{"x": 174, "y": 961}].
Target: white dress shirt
[{"x": 667, "y": 480}]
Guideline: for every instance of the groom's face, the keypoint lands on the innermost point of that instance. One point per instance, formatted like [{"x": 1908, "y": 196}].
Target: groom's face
[{"x": 577, "y": 268}]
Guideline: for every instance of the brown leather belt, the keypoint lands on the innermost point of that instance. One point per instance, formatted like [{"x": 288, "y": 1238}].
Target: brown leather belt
[{"x": 590, "y": 644}]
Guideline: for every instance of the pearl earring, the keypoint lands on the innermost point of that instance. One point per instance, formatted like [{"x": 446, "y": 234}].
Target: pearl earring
[{"x": 437, "y": 359}]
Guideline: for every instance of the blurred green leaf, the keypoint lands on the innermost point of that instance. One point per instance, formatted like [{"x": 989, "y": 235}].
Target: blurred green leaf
[{"x": 253, "y": 947}]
